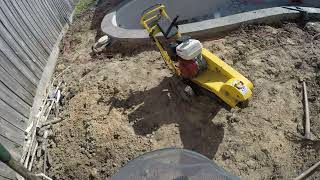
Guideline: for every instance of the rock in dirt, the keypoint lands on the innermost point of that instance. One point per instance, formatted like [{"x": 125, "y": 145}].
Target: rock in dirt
[
  {"x": 313, "y": 27},
  {"x": 94, "y": 173},
  {"x": 189, "y": 91},
  {"x": 39, "y": 152},
  {"x": 61, "y": 67},
  {"x": 251, "y": 164},
  {"x": 116, "y": 136},
  {"x": 70, "y": 94},
  {"x": 226, "y": 155},
  {"x": 232, "y": 117},
  {"x": 298, "y": 64}
]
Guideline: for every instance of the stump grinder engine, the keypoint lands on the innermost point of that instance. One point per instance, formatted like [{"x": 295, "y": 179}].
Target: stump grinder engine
[
  {"x": 187, "y": 58},
  {"x": 187, "y": 52}
]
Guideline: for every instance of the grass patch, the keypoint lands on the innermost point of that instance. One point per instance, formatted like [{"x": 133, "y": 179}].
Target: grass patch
[{"x": 83, "y": 5}]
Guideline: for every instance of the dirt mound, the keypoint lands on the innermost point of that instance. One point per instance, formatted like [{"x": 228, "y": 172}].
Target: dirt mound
[{"x": 120, "y": 105}]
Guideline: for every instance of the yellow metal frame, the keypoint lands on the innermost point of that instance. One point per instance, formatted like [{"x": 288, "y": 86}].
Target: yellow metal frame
[
  {"x": 219, "y": 77},
  {"x": 148, "y": 20}
]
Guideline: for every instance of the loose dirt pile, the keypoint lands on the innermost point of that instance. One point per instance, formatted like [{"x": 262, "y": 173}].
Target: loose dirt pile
[{"x": 121, "y": 104}]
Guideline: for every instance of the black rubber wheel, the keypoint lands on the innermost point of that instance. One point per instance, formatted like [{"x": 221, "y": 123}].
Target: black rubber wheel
[
  {"x": 243, "y": 104},
  {"x": 200, "y": 91}
]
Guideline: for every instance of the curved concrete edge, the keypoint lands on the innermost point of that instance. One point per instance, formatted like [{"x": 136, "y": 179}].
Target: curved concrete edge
[
  {"x": 109, "y": 26},
  {"x": 212, "y": 26}
]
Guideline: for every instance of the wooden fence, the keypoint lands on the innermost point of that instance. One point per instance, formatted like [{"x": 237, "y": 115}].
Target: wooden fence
[{"x": 29, "y": 29}]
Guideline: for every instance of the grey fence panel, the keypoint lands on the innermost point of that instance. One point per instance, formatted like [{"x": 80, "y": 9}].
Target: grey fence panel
[
  {"x": 20, "y": 47},
  {"x": 65, "y": 8},
  {"x": 29, "y": 29},
  {"x": 32, "y": 35},
  {"x": 9, "y": 132},
  {"x": 31, "y": 23},
  {"x": 18, "y": 75},
  {"x": 69, "y": 5},
  {"x": 8, "y": 113},
  {"x": 46, "y": 20},
  {"x": 14, "y": 97},
  {"x": 40, "y": 20},
  {"x": 17, "y": 61},
  {"x": 56, "y": 5},
  {"x": 34, "y": 20},
  {"x": 27, "y": 37},
  {"x": 21, "y": 37},
  {"x": 54, "y": 8},
  {"x": 5, "y": 172},
  {"x": 52, "y": 14},
  {"x": 45, "y": 13}
]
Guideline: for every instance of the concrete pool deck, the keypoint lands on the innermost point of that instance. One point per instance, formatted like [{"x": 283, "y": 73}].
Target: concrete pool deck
[{"x": 112, "y": 27}]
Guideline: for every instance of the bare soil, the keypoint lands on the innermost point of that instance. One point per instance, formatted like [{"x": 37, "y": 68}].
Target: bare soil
[{"x": 125, "y": 102}]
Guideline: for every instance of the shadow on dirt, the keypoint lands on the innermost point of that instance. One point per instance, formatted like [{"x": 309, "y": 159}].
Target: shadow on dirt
[{"x": 165, "y": 104}]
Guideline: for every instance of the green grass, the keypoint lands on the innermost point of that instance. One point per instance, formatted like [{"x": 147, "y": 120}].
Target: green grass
[{"x": 83, "y": 5}]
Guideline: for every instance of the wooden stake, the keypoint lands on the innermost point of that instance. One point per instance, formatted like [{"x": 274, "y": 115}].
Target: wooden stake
[
  {"x": 308, "y": 172},
  {"x": 307, "y": 133}
]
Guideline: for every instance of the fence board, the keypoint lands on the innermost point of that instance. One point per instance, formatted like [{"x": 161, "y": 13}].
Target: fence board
[
  {"x": 9, "y": 114},
  {"x": 16, "y": 49},
  {"x": 14, "y": 127},
  {"x": 14, "y": 101},
  {"x": 68, "y": 5},
  {"x": 10, "y": 84},
  {"x": 55, "y": 4},
  {"x": 19, "y": 64},
  {"x": 8, "y": 132},
  {"x": 30, "y": 21},
  {"x": 40, "y": 19},
  {"x": 34, "y": 17},
  {"x": 65, "y": 9},
  {"x": 15, "y": 38},
  {"x": 11, "y": 23},
  {"x": 16, "y": 73},
  {"x": 5, "y": 172},
  {"x": 52, "y": 14},
  {"x": 10, "y": 48},
  {"x": 61, "y": 19},
  {"x": 45, "y": 17},
  {"x": 49, "y": 18},
  {"x": 27, "y": 28}
]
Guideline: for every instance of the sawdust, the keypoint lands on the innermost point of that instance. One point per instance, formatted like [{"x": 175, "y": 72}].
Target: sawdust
[{"x": 121, "y": 104}]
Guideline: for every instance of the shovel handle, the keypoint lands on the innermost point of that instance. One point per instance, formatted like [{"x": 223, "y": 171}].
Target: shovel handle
[
  {"x": 6, "y": 158},
  {"x": 4, "y": 154}
]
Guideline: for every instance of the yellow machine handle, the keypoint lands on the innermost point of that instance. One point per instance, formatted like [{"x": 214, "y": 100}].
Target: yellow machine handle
[
  {"x": 147, "y": 20},
  {"x": 156, "y": 6},
  {"x": 150, "y": 15}
]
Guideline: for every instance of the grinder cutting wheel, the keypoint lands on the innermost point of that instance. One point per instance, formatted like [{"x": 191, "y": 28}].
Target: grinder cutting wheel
[{"x": 188, "y": 59}]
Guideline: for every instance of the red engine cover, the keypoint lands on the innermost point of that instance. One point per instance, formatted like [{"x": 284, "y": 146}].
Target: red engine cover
[{"x": 188, "y": 68}]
